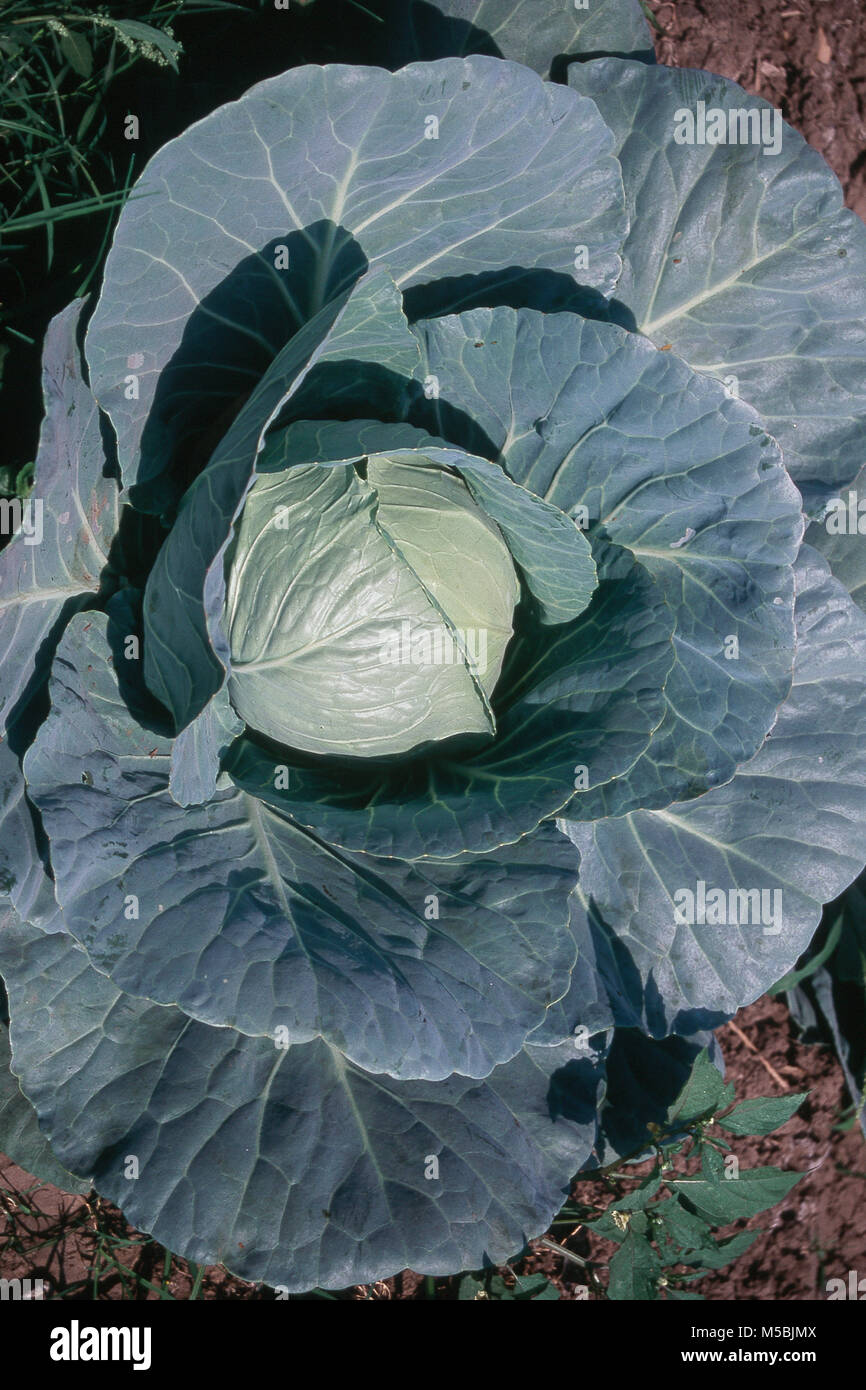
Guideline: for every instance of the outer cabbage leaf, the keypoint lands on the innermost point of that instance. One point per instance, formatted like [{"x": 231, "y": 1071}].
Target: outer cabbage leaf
[
  {"x": 50, "y": 569},
  {"x": 792, "y": 822},
  {"x": 590, "y": 1007},
  {"x": 45, "y": 578},
  {"x": 844, "y": 546},
  {"x": 529, "y": 33},
  {"x": 197, "y": 751},
  {"x": 747, "y": 262},
  {"x": 20, "y": 1136},
  {"x": 335, "y": 166},
  {"x": 665, "y": 463},
  {"x": 23, "y": 878},
  {"x": 244, "y": 919},
  {"x": 577, "y": 704},
  {"x": 293, "y": 1167}
]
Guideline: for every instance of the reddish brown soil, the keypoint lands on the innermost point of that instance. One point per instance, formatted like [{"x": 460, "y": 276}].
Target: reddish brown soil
[
  {"x": 808, "y": 57},
  {"x": 71, "y": 1243},
  {"x": 819, "y": 1232}
]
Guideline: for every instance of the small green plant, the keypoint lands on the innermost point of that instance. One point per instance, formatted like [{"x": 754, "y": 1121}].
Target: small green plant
[
  {"x": 16, "y": 483},
  {"x": 68, "y": 158},
  {"x": 665, "y": 1226},
  {"x": 665, "y": 1221},
  {"x": 530, "y": 1288}
]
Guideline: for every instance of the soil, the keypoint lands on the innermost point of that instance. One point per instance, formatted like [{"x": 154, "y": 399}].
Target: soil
[
  {"x": 819, "y": 1232},
  {"x": 808, "y": 57}
]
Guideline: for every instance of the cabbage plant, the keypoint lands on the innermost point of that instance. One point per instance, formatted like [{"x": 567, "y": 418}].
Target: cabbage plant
[{"x": 416, "y": 689}]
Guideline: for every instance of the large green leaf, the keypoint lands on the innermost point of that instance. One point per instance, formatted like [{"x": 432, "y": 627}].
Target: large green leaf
[
  {"x": 51, "y": 568},
  {"x": 791, "y": 825},
  {"x": 840, "y": 535},
  {"x": 576, "y": 706},
  {"x": 605, "y": 427},
  {"x": 20, "y": 1136},
  {"x": 52, "y": 565},
  {"x": 744, "y": 258},
  {"x": 244, "y": 919},
  {"x": 294, "y": 1167},
  {"x": 529, "y": 31},
  {"x": 334, "y": 169}
]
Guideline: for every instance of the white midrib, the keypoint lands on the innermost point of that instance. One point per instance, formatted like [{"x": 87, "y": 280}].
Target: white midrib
[
  {"x": 653, "y": 325},
  {"x": 46, "y": 595},
  {"x": 260, "y": 834},
  {"x": 341, "y": 1070}
]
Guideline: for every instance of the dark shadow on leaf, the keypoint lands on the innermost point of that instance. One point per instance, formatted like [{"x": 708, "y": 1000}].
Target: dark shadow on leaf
[
  {"x": 441, "y": 419},
  {"x": 563, "y": 61},
  {"x": 549, "y": 291},
  {"x": 392, "y": 33},
  {"x": 32, "y": 707},
  {"x": 136, "y": 544},
  {"x": 348, "y": 390},
  {"x": 413, "y": 31},
  {"x": 635, "y": 1003},
  {"x": 689, "y": 1021},
  {"x": 619, "y": 973},
  {"x": 572, "y": 1093},
  {"x": 229, "y": 342},
  {"x": 127, "y": 659},
  {"x": 654, "y": 1008},
  {"x": 133, "y": 551},
  {"x": 644, "y": 1077}
]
